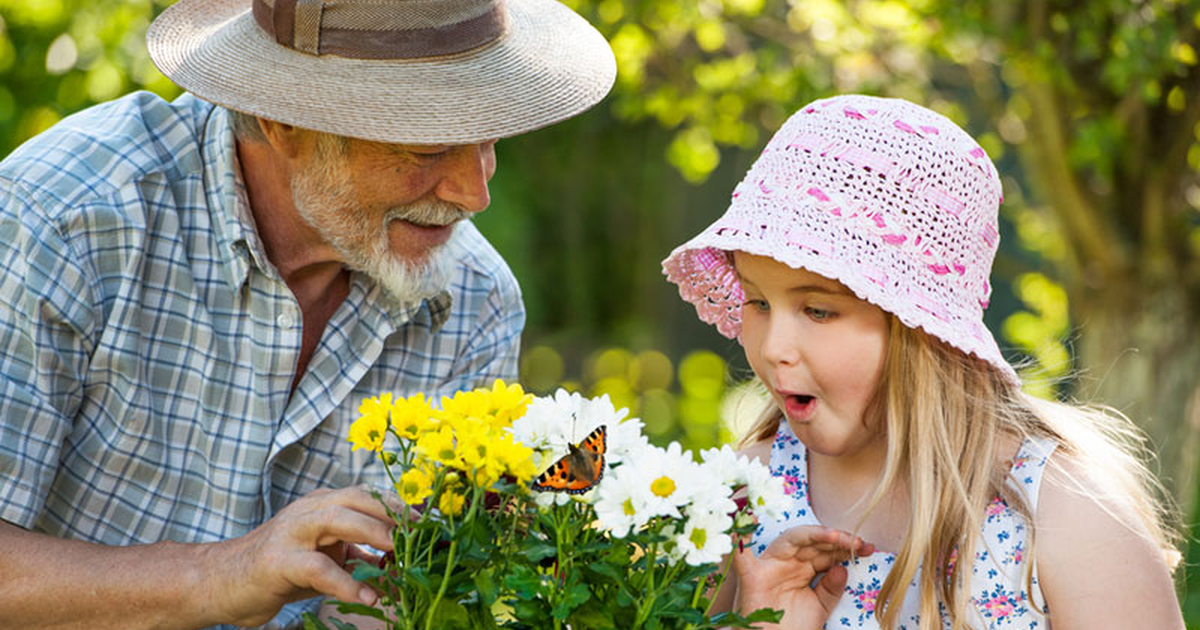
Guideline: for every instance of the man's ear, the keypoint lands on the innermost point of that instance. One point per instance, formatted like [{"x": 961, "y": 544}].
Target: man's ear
[{"x": 286, "y": 139}]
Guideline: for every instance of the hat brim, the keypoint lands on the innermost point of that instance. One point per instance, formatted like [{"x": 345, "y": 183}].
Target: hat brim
[{"x": 549, "y": 65}]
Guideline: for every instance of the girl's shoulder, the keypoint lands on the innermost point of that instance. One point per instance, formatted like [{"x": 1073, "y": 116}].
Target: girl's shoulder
[
  {"x": 758, "y": 451},
  {"x": 1092, "y": 545}
]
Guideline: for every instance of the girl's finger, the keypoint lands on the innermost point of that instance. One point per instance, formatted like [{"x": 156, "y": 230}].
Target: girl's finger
[{"x": 831, "y": 587}]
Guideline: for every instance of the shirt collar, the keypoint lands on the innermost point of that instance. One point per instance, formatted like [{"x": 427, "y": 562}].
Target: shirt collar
[
  {"x": 435, "y": 312},
  {"x": 228, "y": 205}
]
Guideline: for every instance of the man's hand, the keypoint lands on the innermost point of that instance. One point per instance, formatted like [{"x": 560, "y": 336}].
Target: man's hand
[
  {"x": 64, "y": 584},
  {"x": 300, "y": 553},
  {"x": 782, "y": 576}
]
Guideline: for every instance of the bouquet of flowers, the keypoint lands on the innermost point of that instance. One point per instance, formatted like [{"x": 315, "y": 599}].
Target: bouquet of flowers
[{"x": 551, "y": 512}]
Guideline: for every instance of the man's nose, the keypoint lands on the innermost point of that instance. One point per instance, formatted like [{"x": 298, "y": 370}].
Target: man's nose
[{"x": 465, "y": 180}]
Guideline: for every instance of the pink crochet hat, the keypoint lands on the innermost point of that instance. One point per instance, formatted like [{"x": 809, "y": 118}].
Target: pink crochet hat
[{"x": 887, "y": 197}]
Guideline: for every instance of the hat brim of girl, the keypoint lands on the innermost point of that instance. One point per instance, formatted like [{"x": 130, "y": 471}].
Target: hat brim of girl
[
  {"x": 702, "y": 270},
  {"x": 548, "y": 65}
]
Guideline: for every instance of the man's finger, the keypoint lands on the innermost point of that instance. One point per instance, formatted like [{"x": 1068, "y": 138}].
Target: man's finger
[
  {"x": 317, "y": 572},
  {"x": 332, "y": 524}
]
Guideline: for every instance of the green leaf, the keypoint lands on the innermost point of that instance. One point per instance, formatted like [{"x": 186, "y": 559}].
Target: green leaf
[
  {"x": 352, "y": 608},
  {"x": 452, "y": 614},
  {"x": 523, "y": 582},
  {"x": 312, "y": 623},
  {"x": 573, "y": 598},
  {"x": 364, "y": 571},
  {"x": 537, "y": 550},
  {"x": 533, "y": 614},
  {"x": 577, "y": 594},
  {"x": 593, "y": 615},
  {"x": 734, "y": 620},
  {"x": 485, "y": 584}
]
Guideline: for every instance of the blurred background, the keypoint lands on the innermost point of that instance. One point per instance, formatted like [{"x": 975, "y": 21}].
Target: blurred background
[{"x": 1090, "y": 108}]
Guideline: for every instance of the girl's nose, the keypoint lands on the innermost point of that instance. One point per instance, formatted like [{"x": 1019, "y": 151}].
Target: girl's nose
[{"x": 781, "y": 344}]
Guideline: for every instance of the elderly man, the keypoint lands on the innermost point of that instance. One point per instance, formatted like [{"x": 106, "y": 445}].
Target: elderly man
[{"x": 194, "y": 301}]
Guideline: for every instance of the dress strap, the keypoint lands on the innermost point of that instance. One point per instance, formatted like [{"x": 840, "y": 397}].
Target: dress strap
[{"x": 1028, "y": 465}]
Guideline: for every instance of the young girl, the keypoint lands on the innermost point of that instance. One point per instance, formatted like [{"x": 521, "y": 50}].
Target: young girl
[{"x": 853, "y": 267}]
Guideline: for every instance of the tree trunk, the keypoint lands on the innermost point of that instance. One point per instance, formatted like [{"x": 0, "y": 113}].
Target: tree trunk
[{"x": 1139, "y": 352}]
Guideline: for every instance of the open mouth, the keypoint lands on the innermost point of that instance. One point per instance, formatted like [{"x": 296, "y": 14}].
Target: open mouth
[{"x": 799, "y": 406}]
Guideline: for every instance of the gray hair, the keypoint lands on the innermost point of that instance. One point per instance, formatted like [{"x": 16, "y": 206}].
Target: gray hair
[{"x": 246, "y": 129}]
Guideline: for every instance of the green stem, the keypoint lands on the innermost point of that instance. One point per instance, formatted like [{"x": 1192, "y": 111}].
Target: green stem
[
  {"x": 647, "y": 603},
  {"x": 475, "y": 501},
  {"x": 559, "y": 569},
  {"x": 441, "y": 588}
]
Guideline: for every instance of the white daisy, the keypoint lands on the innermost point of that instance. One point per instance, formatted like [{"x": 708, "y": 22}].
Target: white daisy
[
  {"x": 767, "y": 498},
  {"x": 621, "y": 502},
  {"x": 669, "y": 478},
  {"x": 551, "y": 422},
  {"x": 704, "y": 539},
  {"x": 726, "y": 465}
]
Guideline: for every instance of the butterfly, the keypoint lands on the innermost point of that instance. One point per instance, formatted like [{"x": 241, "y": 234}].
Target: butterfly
[{"x": 580, "y": 469}]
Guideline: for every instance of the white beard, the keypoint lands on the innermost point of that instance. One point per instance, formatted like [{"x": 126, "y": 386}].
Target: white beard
[{"x": 322, "y": 196}]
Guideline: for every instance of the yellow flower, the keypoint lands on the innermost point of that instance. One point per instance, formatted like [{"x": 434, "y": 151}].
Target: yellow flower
[
  {"x": 439, "y": 446},
  {"x": 508, "y": 402},
  {"x": 451, "y": 502},
  {"x": 474, "y": 443},
  {"x": 473, "y": 404},
  {"x": 376, "y": 406},
  {"x": 414, "y": 486},
  {"x": 411, "y": 416},
  {"x": 370, "y": 429},
  {"x": 515, "y": 458}
]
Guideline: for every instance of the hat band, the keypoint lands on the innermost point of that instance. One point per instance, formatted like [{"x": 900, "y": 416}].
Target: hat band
[{"x": 301, "y": 25}]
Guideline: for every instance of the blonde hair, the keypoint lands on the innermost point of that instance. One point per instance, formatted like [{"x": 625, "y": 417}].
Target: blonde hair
[{"x": 946, "y": 415}]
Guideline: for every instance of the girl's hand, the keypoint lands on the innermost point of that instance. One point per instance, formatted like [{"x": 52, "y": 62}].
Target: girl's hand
[{"x": 782, "y": 576}]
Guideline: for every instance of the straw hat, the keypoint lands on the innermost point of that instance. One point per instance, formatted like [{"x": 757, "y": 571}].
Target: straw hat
[{"x": 402, "y": 71}]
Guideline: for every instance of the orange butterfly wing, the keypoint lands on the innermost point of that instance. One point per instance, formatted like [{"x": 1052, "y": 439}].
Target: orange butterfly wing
[{"x": 579, "y": 469}]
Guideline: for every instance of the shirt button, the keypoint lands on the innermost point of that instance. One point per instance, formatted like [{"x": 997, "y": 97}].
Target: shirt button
[{"x": 285, "y": 320}]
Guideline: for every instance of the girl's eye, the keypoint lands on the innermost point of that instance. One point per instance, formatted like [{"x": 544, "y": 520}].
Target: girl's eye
[
  {"x": 758, "y": 305},
  {"x": 818, "y": 314}
]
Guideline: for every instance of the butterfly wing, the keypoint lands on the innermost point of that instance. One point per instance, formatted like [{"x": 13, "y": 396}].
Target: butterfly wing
[{"x": 579, "y": 469}]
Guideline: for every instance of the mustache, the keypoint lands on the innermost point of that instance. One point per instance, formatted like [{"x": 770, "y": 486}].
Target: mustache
[{"x": 427, "y": 212}]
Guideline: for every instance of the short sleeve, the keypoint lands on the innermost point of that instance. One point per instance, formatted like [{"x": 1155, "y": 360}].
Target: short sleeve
[{"x": 46, "y": 316}]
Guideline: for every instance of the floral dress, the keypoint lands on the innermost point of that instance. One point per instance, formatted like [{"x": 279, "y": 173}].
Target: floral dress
[{"x": 997, "y": 585}]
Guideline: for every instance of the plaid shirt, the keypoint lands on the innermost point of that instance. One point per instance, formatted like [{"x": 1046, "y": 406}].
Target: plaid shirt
[{"x": 147, "y": 344}]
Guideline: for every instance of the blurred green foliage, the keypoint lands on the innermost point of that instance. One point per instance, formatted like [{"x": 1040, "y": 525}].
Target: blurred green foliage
[
  {"x": 59, "y": 56},
  {"x": 676, "y": 402}
]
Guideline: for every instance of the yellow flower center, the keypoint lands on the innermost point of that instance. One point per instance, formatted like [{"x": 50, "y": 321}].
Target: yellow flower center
[
  {"x": 663, "y": 487},
  {"x": 629, "y": 511},
  {"x": 698, "y": 538}
]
